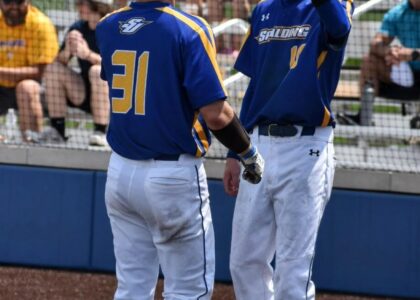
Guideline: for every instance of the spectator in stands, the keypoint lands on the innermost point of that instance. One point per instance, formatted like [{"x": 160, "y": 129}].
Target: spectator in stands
[
  {"x": 120, "y": 3},
  {"x": 84, "y": 90},
  {"x": 394, "y": 71},
  {"x": 28, "y": 42},
  {"x": 241, "y": 9}
]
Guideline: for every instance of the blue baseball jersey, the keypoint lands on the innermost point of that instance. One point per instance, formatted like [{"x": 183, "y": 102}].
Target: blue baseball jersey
[
  {"x": 294, "y": 69},
  {"x": 160, "y": 65},
  {"x": 403, "y": 22}
]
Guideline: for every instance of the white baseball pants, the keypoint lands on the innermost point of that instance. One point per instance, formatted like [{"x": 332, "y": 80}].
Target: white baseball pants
[
  {"x": 282, "y": 215},
  {"x": 160, "y": 214}
]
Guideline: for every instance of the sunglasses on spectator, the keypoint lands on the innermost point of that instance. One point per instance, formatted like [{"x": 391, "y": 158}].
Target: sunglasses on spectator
[{"x": 18, "y": 2}]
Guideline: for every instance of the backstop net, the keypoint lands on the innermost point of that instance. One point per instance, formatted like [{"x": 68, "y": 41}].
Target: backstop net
[{"x": 375, "y": 105}]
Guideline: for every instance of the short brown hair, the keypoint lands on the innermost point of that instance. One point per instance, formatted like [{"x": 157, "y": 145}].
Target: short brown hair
[{"x": 101, "y": 8}]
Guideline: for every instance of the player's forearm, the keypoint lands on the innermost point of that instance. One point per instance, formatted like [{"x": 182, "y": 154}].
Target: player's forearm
[
  {"x": 217, "y": 115},
  {"x": 21, "y": 73},
  {"x": 225, "y": 126},
  {"x": 334, "y": 17}
]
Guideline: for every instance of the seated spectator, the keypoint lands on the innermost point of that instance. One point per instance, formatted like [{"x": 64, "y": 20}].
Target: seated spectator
[
  {"x": 84, "y": 90},
  {"x": 241, "y": 9},
  {"x": 120, "y": 3},
  {"x": 193, "y": 7},
  {"x": 394, "y": 71},
  {"x": 28, "y": 42}
]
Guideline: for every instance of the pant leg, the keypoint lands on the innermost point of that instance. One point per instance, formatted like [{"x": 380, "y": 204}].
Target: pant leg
[
  {"x": 301, "y": 194},
  {"x": 253, "y": 238},
  {"x": 182, "y": 229},
  {"x": 136, "y": 256}
]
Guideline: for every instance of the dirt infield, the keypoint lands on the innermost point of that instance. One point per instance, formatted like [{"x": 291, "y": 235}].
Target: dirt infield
[{"x": 18, "y": 283}]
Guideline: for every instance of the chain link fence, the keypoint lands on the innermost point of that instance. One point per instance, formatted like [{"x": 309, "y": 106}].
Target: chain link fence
[{"x": 378, "y": 122}]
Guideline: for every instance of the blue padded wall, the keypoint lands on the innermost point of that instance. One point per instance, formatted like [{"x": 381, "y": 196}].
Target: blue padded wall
[
  {"x": 45, "y": 216},
  {"x": 368, "y": 242},
  {"x": 222, "y": 207},
  {"x": 102, "y": 250}
]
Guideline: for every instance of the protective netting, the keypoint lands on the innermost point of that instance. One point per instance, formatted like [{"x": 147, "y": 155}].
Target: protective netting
[{"x": 376, "y": 102}]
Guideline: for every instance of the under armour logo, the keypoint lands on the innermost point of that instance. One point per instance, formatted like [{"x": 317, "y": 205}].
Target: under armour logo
[
  {"x": 265, "y": 17},
  {"x": 312, "y": 152},
  {"x": 133, "y": 25}
]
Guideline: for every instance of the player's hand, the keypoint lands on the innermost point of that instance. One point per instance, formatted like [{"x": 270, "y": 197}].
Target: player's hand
[
  {"x": 253, "y": 168},
  {"x": 231, "y": 176}
]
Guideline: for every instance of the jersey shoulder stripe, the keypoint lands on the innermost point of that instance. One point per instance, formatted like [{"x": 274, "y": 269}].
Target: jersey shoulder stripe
[
  {"x": 209, "y": 30},
  {"x": 349, "y": 9},
  {"x": 207, "y": 44}
]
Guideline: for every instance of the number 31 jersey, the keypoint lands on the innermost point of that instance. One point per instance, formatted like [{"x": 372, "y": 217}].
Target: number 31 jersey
[{"x": 160, "y": 65}]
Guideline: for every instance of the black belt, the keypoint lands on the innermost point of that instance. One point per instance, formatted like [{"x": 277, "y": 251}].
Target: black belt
[
  {"x": 168, "y": 157},
  {"x": 284, "y": 130}
]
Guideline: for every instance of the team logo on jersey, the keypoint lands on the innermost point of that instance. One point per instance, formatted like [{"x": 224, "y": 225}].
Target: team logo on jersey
[
  {"x": 265, "y": 17},
  {"x": 278, "y": 33},
  {"x": 133, "y": 25}
]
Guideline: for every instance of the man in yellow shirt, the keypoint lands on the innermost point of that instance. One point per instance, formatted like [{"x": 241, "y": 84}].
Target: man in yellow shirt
[{"x": 28, "y": 42}]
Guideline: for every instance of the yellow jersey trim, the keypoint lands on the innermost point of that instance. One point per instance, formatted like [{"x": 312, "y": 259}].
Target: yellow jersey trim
[
  {"x": 210, "y": 50},
  {"x": 327, "y": 117},
  {"x": 202, "y": 137},
  {"x": 209, "y": 30},
  {"x": 248, "y": 33},
  {"x": 348, "y": 10},
  {"x": 321, "y": 59}
]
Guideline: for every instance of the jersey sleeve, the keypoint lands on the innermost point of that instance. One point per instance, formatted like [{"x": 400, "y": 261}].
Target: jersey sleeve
[
  {"x": 244, "y": 61},
  {"x": 388, "y": 26},
  {"x": 336, "y": 19},
  {"x": 44, "y": 47},
  {"x": 99, "y": 36},
  {"x": 202, "y": 78}
]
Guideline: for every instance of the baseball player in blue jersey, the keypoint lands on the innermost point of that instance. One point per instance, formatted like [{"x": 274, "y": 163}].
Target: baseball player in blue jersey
[
  {"x": 293, "y": 55},
  {"x": 165, "y": 89}
]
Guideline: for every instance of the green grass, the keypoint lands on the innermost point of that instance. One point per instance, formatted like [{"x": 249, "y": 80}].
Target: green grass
[
  {"x": 353, "y": 63},
  {"x": 377, "y": 108},
  {"x": 375, "y": 15},
  {"x": 338, "y": 140},
  {"x": 76, "y": 124},
  {"x": 51, "y": 4}
]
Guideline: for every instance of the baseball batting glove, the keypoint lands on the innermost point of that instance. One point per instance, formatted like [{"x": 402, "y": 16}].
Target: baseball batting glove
[{"x": 253, "y": 166}]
